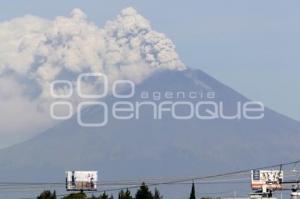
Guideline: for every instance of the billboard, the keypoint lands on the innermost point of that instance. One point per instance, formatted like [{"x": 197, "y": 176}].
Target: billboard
[
  {"x": 81, "y": 180},
  {"x": 266, "y": 179}
]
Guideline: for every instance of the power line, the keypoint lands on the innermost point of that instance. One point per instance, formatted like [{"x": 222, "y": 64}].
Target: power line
[{"x": 197, "y": 178}]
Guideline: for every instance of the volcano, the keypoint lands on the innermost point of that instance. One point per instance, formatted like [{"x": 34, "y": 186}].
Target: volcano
[
  {"x": 166, "y": 145},
  {"x": 149, "y": 147}
]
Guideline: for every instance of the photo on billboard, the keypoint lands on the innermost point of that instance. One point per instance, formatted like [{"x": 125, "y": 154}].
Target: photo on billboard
[
  {"x": 81, "y": 180},
  {"x": 266, "y": 179}
]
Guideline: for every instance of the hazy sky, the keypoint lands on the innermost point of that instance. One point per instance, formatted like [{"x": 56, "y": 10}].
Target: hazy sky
[{"x": 252, "y": 46}]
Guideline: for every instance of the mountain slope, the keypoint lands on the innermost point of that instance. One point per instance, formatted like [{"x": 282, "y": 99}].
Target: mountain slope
[{"x": 148, "y": 147}]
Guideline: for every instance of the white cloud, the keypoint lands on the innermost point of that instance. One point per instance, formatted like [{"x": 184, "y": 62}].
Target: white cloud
[
  {"x": 20, "y": 114},
  {"x": 36, "y": 51}
]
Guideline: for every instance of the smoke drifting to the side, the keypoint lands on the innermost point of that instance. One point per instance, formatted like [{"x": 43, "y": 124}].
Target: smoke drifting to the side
[{"x": 36, "y": 51}]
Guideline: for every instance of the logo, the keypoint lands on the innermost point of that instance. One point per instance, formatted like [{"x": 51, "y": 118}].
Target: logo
[{"x": 93, "y": 90}]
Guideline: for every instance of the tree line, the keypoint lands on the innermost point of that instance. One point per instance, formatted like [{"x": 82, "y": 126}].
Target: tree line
[{"x": 142, "y": 193}]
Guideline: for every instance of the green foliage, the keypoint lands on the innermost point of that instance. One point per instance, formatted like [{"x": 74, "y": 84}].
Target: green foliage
[
  {"x": 128, "y": 194},
  {"x": 103, "y": 196},
  {"x": 193, "y": 193},
  {"x": 207, "y": 197},
  {"x": 47, "y": 195},
  {"x": 157, "y": 194},
  {"x": 125, "y": 195},
  {"x": 121, "y": 194},
  {"x": 143, "y": 192},
  {"x": 75, "y": 196}
]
